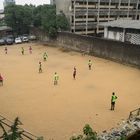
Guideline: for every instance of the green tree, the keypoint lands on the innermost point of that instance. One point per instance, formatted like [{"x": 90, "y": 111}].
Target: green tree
[
  {"x": 37, "y": 16},
  {"x": 19, "y": 18},
  {"x": 49, "y": 20},
  {"x": 44, "y": 16},
  {"x": 62, "y": 22},
  {"x": 88, "y": 134}
]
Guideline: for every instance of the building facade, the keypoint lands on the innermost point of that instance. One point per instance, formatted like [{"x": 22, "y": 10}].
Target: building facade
[
  {"x": 123, "y": 30},
  {"x": 7, "y": 2},
  {"x": 5, "y": 30},
  {"x": 86, "y": 15}
]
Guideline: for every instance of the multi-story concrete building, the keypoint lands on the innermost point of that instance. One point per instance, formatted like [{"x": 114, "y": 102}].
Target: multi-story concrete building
[
  {"x": 7, "y": 2},
  {"x": 86, "y": 15}
]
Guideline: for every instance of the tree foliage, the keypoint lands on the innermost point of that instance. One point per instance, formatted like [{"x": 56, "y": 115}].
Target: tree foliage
[
  {"x": 88, "y": 134},
  {"x": 49, "y": 19},
  {"x": 21, "y": 18},
  {"x": 62, "y": 22}
]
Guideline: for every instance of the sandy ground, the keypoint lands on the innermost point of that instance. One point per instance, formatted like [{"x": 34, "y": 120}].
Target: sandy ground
[{"x": 60, "y": 111}]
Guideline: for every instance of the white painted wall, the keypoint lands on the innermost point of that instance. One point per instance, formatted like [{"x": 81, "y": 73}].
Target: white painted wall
[
  {"x": 118, "y": 36},
  {"x": 105, "y": 32},
  {"x": 113, "y": 35}
]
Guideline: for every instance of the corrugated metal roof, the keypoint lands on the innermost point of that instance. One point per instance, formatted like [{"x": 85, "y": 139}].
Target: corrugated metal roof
[
  {"x": 2, "y": 28},
  {"x": 132, "y": 24}
]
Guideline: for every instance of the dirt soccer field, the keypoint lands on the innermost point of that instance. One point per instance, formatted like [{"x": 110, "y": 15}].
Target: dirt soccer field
[{"x": 60, "y": 111}]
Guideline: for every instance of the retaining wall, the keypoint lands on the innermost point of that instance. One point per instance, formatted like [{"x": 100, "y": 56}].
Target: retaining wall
[{"x": 114, "y": 50}]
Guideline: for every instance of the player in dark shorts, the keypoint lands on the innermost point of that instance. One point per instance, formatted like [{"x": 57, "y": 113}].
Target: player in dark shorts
[
  {"x": 56, "y": 78},
  {"x": 22, "y": 51},
  {"x": 45, "y": 56},
  {"x": 1, "y": 80},
  {"x": 74, "y": 73},
  {"x": 40, "y": 67},
  {"x": 89, "y": 64},
  {"x": 6, "y": 50},
  {"x": 113, "y": 100}
]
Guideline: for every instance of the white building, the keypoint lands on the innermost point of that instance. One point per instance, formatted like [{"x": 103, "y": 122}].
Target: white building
[
  {"x": 123, "y": 30},
  {"x": 85, "y": 15}
]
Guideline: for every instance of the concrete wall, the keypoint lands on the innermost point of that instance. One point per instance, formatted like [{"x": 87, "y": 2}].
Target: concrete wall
[
  {"x": 109, "y": 49},
  {"x": 40, "y": 34}
]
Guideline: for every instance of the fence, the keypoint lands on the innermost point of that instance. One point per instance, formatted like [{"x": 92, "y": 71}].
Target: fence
[
  {"x": 25, "y": 134},
  {"x": 134, "y": 113}
]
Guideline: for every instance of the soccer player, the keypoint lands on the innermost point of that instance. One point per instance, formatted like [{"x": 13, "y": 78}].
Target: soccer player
[
  {"x": 1, "y": 79},
  {"x": 22, "y": 51},
  {"x": 89, "y": 64},
  {"x": 40, "y": 67},
  {"x": 6, "y": 50},
  {"x": 56, "y": 78},
  {"x": 74, "y": 73},
  {"x": 30, "y": 50},
  {"x": 113, "y": 100},
  {"x": 45, "y": 56}
]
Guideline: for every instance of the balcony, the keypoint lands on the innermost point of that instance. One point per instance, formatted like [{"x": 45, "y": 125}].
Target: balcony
[
  {"x": 84, "y": 6},
  {"x": 84, "y": 19},
  {"x": 106, "y": 1}
]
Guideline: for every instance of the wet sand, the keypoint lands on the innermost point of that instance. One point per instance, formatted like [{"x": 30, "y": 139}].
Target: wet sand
[{"x": 60, "y": 111}]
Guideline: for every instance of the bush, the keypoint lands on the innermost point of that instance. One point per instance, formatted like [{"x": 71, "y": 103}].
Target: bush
[{"x": 88, "y": 134}]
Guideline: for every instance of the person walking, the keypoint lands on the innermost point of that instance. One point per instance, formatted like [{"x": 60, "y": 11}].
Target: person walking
[
  {"x": 22, "y": 51},
  {"x": 56, "y": 78},
  {"x": 6, "y": 50},
  {"x": 30, "y": 50},
  {"x": 89, "y": 64},
  {"x": 113, "y": 100},
  {"x": 40, "y": 67},
  {"x": 74, "y": 73},
  {"x": 1, "y": 80}
]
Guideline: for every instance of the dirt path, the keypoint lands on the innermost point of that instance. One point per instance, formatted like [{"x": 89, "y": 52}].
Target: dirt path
[{"x": 60, "y": 111}]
